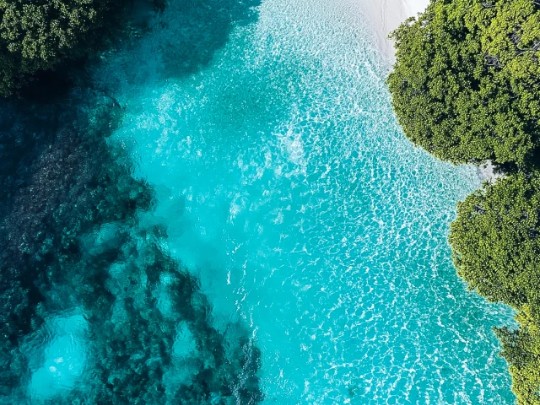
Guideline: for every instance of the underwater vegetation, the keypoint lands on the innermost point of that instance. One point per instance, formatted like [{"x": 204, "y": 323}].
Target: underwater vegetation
[
  {"x": 93, "y": 309},
  {"x": 74, "y": 255}
]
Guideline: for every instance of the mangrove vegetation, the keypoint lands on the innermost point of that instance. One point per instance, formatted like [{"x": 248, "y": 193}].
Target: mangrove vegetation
[{"x": 465, "y": 85}]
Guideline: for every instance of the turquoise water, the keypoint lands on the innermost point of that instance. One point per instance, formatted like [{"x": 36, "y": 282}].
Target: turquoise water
[
  {"x": 288, "y": 188},
  {"x": 61, "y": 360}
]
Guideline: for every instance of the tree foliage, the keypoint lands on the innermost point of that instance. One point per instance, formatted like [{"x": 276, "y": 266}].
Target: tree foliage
[
  {"x": 464, "y": 84},
  {"x": 521, "y": 348},
  {"x": 496, "y": 246},
  {"x": 496, "y": 240},
  {"x": 36, "y": 35}
]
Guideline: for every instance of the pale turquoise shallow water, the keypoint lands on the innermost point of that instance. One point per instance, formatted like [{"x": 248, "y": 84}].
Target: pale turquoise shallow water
[{"x": 288, "y": 188}]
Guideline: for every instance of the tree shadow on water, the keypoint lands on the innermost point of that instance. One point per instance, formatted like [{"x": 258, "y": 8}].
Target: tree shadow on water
[{"x": 196, "y": 30}]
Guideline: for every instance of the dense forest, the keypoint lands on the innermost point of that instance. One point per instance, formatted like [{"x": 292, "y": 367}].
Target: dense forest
[
  {"x": 465, "y": 87},
  {"x": 466, "y": 80},
  {"x": 38, "y": 35}
]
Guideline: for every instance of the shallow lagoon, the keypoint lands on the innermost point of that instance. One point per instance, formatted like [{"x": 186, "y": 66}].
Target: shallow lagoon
[
  {"x": 288, "y": 188},
  {"x": 309, "y": 235}
]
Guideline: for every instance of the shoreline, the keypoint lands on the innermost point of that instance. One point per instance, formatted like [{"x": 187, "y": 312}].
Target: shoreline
[
  {"x": 385, "y": 16},
  {"x": 492, "y": 230}
]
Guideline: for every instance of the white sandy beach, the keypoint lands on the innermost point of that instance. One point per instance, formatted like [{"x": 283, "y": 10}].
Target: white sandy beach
[{"x": 384, "y": 16}]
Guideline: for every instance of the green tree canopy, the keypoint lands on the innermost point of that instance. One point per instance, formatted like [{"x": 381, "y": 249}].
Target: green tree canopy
[
  {"x": 521, "y": 347},
  {"x": 465, "y": 82},
  {"x": 465, "y": 88},
  {"x": 496, "y": 246},
  {"x": 38, "y": 34},
  {"x": 496, "y": 240}
]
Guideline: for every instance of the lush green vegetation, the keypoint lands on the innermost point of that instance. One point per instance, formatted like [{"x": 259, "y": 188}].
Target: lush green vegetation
[
  {"x": 466, "y": 88},
  {"x": 37, "y": 35},
  {"x": 466, "y": 79},
  {"x": 496, "y": 242},
  {"x": 496, "y": 238}
]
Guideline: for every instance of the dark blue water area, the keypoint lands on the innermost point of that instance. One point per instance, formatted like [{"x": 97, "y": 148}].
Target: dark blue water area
[{"x": 92, "y": 308}]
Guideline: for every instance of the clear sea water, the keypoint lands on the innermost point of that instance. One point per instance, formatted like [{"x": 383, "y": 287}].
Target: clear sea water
[{"x": 288, "y": 188}]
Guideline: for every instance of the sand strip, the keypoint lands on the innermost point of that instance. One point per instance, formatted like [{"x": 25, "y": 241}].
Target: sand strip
[{"x": 384, "y": 16}]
